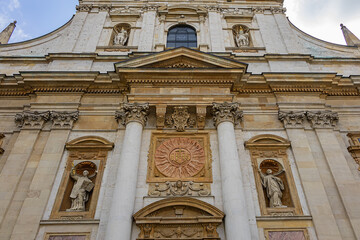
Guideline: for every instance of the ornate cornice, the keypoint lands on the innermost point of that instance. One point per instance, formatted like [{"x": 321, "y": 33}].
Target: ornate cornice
[
  {"x": 322, "y": 119},
  {"x": 226, "y": 112},
  {"x": 133, "y": 112},
  {"x": 63, "y": 120},
  {"x": 31, "y": 120},
  {"x": 292, "y": 119}
]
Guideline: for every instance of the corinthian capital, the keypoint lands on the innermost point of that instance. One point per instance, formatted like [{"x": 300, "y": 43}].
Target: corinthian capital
[
  {"x": 292, "y": 119},
  {"x": 133, "y": 112},
  {"x": 31, "y": 120},
  {"x": 63, "y": 120},
  {"x": 322, "y": 119},
  {"x": 226, "y": 112}
]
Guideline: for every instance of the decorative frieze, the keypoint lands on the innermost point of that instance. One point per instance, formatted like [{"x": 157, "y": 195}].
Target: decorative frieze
[
  {"x": 178, "y": 188},
  {"x": 180, "y": 119},
  {"x": 133, "y": 112},
  {"x": 31, "y": 120},
  {"x": 226, "y": 112},
  {"x": 274, "y": 10},
  {"x": 63, "y": 120},
  {"x": 292, "y": 119},
  {"x": 322, "y": 119},
  {"x": 84, "y": 7}
]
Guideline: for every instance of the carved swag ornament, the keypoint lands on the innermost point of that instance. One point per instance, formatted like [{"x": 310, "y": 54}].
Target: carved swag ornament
[
  {"x": 133, "y": 112},
  {"x": 179, "y": 188},
  {"x": 226, "y": 112},
  {"x": 180, "y": 119}
]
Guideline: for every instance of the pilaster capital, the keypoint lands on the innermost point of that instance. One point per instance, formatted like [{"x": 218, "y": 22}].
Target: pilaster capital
[
  {"x": 84, "y": 7},
  {"x": 63, "y": 120},
  {"x": 31, "y": 119},
  {"x": 133, "y": 112},
  {"x": 226, "y": 112},
  {"x": 292, "y": 119},
  {"x": 105, "y": 7},
  {"x": 322, "y": 119}
]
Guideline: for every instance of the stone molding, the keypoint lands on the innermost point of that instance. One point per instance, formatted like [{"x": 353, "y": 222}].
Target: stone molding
[
  {"x": 31, "y": 119},
  {"x": 226, "y": 112},
  {"x": 63, "y": 120},
  {"x": 317, "y": 119},
  {"x": 322, "y": 119},
  {"x": 84, "y": 7},
  {"x": 273, "y": 10},
  {"x": 179, "y": 188},
  {"x": 292, "y": 119},
  {"x": 133, "y": 112}
]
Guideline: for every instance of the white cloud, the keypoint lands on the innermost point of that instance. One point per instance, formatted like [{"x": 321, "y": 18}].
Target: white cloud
[
  {"x": 322, "y": 18},
  {"x": 13, "y": 4}
]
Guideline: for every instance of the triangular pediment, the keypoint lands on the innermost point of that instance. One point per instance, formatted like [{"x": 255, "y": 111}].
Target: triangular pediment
[{"x": 181, "y": 58}]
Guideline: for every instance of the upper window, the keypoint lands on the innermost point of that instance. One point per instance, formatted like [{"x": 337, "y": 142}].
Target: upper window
[{"x": 182, "y": 36}]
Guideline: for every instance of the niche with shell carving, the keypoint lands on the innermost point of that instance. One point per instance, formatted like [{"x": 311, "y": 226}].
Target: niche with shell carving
[
  {"x": 79, "y": 189},
  {"x": 241, "y": 35},
  {"x": 274, "y": 180},
  {"x": 120, "y": 35}
]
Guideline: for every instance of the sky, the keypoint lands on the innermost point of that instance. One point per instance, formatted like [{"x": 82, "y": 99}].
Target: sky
[{"x": 319, "y": 18}]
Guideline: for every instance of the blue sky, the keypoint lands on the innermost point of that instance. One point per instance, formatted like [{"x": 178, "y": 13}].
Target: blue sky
[{"x": 320, "y": 18}]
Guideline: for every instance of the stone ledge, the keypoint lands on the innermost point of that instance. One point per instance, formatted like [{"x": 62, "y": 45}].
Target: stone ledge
[
  {"x": 67, "y": 222},
  {"x": 284, "y": 218}
]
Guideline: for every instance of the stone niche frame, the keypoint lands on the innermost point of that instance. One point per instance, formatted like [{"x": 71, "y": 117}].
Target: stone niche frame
[
  {"x": 66, "y": 236},
  {"x": 179, "y": 218},
  {"x": 286, "y": 231},
  {"x": 272, "y": 147},
  {"x": 157, "y": 138},
  {"x": 88, "y": 148}
]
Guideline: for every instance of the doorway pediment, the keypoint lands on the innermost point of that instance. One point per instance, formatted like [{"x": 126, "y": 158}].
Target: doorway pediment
[{"x": 179, "y": 218}]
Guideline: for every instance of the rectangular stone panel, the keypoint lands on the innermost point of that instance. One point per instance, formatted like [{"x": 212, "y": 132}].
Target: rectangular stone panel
[{"x": 286, "y": 235}]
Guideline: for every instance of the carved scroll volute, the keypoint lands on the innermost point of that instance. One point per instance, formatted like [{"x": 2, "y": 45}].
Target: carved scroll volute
[
  {"x": 292, "y": 119},
  {"x": 226, "y": 112},
  {"x": 133, "y": 112}
]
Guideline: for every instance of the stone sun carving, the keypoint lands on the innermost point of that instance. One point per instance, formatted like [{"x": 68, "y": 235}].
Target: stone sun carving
[{"x": 180, "y": 158}]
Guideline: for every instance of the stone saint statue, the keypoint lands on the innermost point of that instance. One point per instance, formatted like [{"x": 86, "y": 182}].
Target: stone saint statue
[
  {"x": 242, "y": 38},
  {"x": 121, "y": 37},
  {"x": 80, "y": 191},
  {"x": 274, "y": 187}
]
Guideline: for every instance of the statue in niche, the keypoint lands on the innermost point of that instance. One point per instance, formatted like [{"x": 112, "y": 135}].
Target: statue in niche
[
  {"x": 80, "y": 191},
  {"x": 242, "y": 37},
  {"x": 121, "y": 37},
  {"x": 274, "y": 187}
]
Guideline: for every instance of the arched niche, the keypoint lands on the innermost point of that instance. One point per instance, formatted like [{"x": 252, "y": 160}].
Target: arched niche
[
  {"x": 269, "y": 153},
  {"x": 88, "y": 153},
  {"x": 120, "y": 35},
  {"x": 241, "y": 35},
  {"x": 179, "y": 218}
]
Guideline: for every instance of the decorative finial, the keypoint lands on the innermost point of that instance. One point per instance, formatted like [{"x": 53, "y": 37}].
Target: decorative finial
[{"x": 7, "y": 32}]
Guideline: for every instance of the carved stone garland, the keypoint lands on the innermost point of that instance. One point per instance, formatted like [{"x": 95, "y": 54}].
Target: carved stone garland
[
  {"x": 131, "y": 112},
  {"x": 178, "y": 188}
]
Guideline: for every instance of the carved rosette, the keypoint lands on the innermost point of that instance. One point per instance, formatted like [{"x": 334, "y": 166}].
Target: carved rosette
[
  {"x": 180, "y": 119},
  {"x": 292, "y": 119},
  {"x": 226, "y": 112},
  {"x": 133, "y": 112},
  {"x": 322, "y": 119},
  {"x": 180, "y": 158},
  {"x": 63, "y": 120},
  {"x": 31, "y": 120}
]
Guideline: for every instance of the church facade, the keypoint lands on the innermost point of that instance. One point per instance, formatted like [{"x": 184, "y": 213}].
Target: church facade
[{"x": 179, "y": 120}]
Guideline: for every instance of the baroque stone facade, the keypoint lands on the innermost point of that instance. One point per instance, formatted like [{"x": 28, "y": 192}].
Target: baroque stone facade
[{"x": 179, "y": 120}]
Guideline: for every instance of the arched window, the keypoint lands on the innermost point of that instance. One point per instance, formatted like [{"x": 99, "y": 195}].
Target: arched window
[{"x": 182, "y": 36}]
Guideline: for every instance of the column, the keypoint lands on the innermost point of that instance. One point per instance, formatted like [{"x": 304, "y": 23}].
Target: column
[
  {"x": 133, "y": 116},
  {"x": 319, "y": 205},
  {"x": 237, "y": 225},
  {"x": 30, "y": 124},
  {"x": 34, "y": 205},
  {"x": 324, "y": 122}
]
